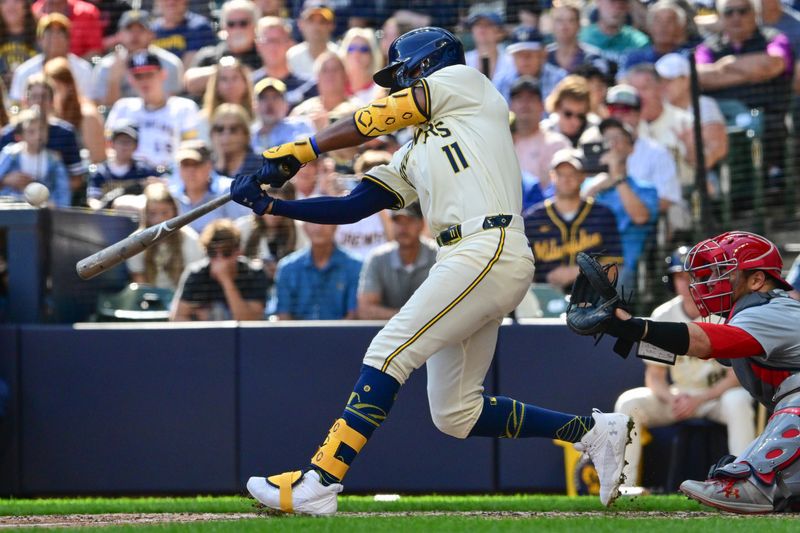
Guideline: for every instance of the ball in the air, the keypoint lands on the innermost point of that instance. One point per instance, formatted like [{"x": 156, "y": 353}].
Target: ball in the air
[{"x": 37, "y": 194}]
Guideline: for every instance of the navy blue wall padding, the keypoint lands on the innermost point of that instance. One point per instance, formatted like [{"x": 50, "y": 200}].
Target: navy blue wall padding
[
  {"x": 295, "y": 383},
  {"x": 9, "y": 425},
  {"x": 48, "y": 242},
  {"x": 133, "y": 411},
  {"x": 149, "y": 409},
  {"x": 26, "y": 233},
  {"x": 77, "y": 234},
  {"x": 549, "y": 366}
]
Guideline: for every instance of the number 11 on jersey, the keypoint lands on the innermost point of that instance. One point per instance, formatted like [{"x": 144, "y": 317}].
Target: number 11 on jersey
[{"x": 453, "y": 151}]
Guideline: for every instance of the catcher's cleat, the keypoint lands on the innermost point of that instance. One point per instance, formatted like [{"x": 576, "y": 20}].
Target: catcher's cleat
[
  {"x": 605, "y": 445},
  {"x": 729, "y": 494},
  {"x": 295, "y": 492}
]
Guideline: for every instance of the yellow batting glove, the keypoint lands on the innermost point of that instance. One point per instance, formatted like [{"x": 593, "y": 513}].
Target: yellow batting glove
[{"x": 303, "y": 151}]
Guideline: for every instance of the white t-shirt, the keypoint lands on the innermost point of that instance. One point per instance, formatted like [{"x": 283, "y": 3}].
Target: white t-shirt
[
  {"x": 245, "y": 226},
  {"x": 652, "y": 163},
  {"x": 665, "y": 130},
  {"x": 460, "y": 164},
  {"x": 80, "y": 68},
  {"x": 300, "y": 61},
  {"x": 363, "y": 236},
  {"x": 190, "y": 248},
  {"x": 160, "y": 130},
  {"x": 35, "y": 165}
]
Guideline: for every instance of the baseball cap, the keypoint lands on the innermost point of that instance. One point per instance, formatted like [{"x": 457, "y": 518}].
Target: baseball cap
[
  {"x": 672, "y": 66},
  {"x": 616, "y": 123},
  {"x": 193, "y": 150},
  {"x": 411, "y": 211},
  {"x": 526, "y": 83},
  {"x": 125, "y": 127},
  {"x": 314, "y": 7},
  {"x": 52, "y": 19},
  {"x": 492, "y": 16},
  {"x": 623, "y": 94},
  {"x": 270, "y": 83},
  {"x": 143, "y": 62},
  {"x": 525, "y": 38},
  {"x": 569, "y": 156},
  {"x": 134, "y": 16}
]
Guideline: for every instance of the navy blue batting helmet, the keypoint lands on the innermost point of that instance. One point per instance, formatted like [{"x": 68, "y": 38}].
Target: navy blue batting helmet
[
  {"x": 675, "y": 263},
  {"x": 417, "y": 54}
]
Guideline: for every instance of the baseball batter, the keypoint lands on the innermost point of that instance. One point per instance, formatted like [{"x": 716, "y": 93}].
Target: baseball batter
[
  {"x": 737, "y": 275},
  {"x": 462, "y": 168}
]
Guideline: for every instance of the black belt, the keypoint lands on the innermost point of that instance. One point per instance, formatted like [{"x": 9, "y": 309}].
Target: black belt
[{"x": 453, "y": 234}]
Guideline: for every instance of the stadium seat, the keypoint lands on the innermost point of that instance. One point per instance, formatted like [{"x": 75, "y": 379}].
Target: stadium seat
[{"x": 135, "y": 303}]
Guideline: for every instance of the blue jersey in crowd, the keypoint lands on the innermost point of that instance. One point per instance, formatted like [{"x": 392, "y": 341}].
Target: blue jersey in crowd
[
  {"x": 103, "y": 179},
  {"x": 556, "y": 241},
  {"x": 193, "y": 34},
  {"x": 308, "y": 293},
  {"x": 60, "y": 138}
]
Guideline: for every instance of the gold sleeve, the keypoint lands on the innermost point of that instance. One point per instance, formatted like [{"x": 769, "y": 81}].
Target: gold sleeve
[{"x": 388, "y": 114}]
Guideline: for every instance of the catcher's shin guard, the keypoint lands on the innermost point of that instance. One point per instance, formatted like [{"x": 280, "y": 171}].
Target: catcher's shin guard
[{"x": 772, "y": 461}]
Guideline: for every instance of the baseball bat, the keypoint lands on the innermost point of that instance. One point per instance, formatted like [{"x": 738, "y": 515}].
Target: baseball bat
[{"x": 118, "y": 252}]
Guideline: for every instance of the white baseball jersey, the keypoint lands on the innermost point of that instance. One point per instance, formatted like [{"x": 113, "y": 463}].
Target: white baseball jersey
[
  {"x": 160, "y": 130},
  {"x": 461, "y": 164}
]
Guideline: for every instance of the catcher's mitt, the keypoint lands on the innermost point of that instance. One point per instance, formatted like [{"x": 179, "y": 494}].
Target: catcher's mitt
[{"x": 594, "y": 299}]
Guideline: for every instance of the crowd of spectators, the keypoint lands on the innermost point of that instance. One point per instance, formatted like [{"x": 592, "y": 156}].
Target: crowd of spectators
[{"x": 155, "y": 110}]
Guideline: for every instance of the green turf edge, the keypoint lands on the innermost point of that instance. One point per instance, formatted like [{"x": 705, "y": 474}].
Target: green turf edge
[
  {"x": 609, "y": 524},
  {"x": 240, "y": 504}
]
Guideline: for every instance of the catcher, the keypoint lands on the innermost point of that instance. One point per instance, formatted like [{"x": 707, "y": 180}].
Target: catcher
[{"x": 736, "y": 275}]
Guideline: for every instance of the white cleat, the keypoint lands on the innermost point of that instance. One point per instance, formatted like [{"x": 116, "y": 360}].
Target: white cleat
[
  {"x": 306, "y": 496},
  {"x": 605, "y": 445}
]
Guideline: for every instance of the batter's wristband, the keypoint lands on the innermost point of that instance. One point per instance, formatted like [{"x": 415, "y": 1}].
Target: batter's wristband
[
  {"x": 670, "y": 336},
  {"x": 313, "y": 141}
]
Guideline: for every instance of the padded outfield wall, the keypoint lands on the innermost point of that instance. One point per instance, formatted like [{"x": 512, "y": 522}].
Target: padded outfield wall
[{"x": 198, "y": 408}]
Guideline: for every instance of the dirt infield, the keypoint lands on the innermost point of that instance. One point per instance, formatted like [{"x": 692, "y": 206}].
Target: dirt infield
[{"x": 96, "y": 520}]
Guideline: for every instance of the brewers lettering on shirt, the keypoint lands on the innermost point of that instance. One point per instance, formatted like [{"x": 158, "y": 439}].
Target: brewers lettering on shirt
[{"x": 160, "y": 130}]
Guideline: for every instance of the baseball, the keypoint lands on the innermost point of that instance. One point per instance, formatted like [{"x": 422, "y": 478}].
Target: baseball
[{"x": 37, "y": 194}]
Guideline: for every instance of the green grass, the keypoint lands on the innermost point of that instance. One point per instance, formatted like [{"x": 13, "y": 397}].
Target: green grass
[
  {"x": 466, "y": 524},
  {"x": 239, "y": 504},
  {"x": 621, "y": 517}
]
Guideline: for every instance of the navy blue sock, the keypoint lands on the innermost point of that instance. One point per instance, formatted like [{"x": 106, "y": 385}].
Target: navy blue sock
[
  {"x": 506, "y": 418},
  {"x": 367, "y": 408}
]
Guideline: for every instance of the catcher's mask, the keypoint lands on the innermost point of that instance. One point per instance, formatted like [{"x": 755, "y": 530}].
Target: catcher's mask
[{"x": 712, "y": 262}]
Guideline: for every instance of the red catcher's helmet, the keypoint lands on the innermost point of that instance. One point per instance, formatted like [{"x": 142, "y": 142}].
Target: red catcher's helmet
[{"x": 712, "y": 262}]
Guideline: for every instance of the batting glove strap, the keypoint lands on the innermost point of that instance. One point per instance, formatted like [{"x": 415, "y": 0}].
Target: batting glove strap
[{"x": 303, "y": 151}]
